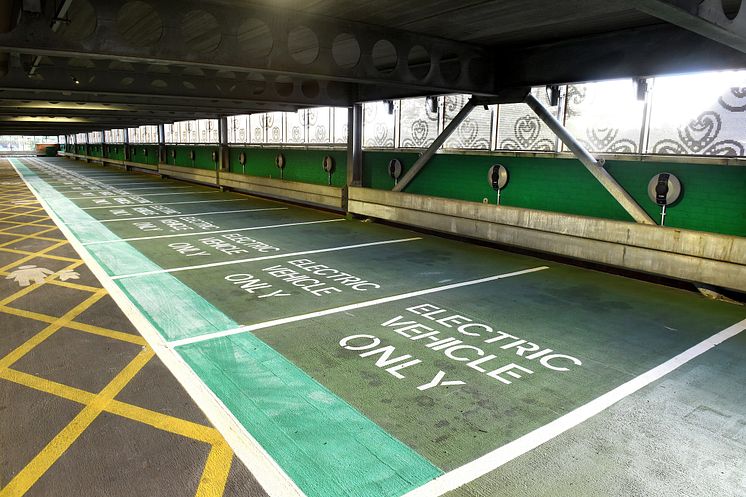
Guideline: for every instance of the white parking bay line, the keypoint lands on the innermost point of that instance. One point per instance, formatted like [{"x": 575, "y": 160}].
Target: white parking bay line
[
  {"x": 178, "y": 235},
  {"x": 266, "y": 257},
  {"x": 188, "y": 214},
  {"x": 122, "y": 190},
  {"x": 502, "y": 455},
  {"x": 119, "y": 206},
  {"x": 144, "y": 195},
  {"x": 350, "y": 307}
]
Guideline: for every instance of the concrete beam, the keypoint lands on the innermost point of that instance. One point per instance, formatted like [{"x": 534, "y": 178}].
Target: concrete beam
[
  {"x": 647, "y": 51},
  {"x": 277, "y": 42},
  {"x": 706, "y": 18}
]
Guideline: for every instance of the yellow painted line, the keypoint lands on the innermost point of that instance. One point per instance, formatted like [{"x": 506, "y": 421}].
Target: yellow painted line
[
  {"x": 44, "y": 318},
  {"x": 41, "y": 253},
  {"x": 47, "y": 386},
  {"x": 39, "y": 465},
  {"x": 27, "y": 346},
  {"x": 75, "y": 286},
  {"x": 75, "y": 325},
  {"x": 26, "y": 252},
  {"x": 215, "y": 474},
  {"x": 34, "y": 236},
  {"x": 23, "y": 214},
  {"x": 164, "y": 422},
  {"x": 105, "y": 332},
  {"x": 40, "y": 216},
  {"x": 8, "y": 232}
]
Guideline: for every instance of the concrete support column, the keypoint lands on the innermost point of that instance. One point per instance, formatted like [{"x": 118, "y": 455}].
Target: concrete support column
[
  {"x": 355, "y": 145},
  {"x": 103, "y": 146},
  {"x": 223, "y": 153},
  {"x": 87, "y": 147},
  {"x": 126, "y": 146},
  {"x": 161, "y": 144}
]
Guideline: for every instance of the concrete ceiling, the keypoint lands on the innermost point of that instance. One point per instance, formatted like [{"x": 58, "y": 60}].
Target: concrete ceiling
[{"x": 74, "y": 65}]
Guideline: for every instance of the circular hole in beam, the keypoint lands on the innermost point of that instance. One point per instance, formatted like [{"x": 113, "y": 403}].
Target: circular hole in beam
[
  {"x": 284, "y": 86},
  {"x": 418, "y": 61},
  {"x": 201, "y": 31},
  {"x": 310, "y": 88},
  {"x": 346, "y": 50},
  {"x": 384, "y": 56},
  {"x": 450, "y": 66},
  {"x": 139, "y": 24},
  {"x": 303, "y": 45},
  {"x": 254, "y": 38},
  {"x": 731, "y": 8},
  {"x": 256, "y": 82}
]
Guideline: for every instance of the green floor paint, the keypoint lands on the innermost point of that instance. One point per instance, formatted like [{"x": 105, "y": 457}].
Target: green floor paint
[
  {"x": 327, "y": 447},
  {"x": 294, "y": 417},
  {"x": 682, "y": 436},
  {"x": 396, "y": 269},
  {"x": 618, "y": 328},
  {"x": 367, "y": 415}
]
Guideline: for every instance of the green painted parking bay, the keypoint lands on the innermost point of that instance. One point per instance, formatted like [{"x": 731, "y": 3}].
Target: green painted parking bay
[
  {"x": 428, "y": 355},
  {"x": 250, "y": 216}
]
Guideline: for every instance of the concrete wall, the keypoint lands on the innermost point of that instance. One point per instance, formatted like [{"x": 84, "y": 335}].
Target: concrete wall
[{"x": 718, "y": 260}]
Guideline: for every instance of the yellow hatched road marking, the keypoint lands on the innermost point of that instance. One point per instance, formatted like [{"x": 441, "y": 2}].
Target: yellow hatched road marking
[
  {"x": 41, "y": 253},
  {"x": 35, "y": 236},
  {"x": 48, "y": 256},
  {"x": 20, "y": 214},
  {"x": 75, "y": 286},
  {"x": 26, "y": 347},
  {"x": 217, "y": 466},
  {"x": 215, "y": 474},
  {"x": 87, "y": 328},
  {"x": 39, "y": 465},
  {"x": 6, "y": 219},
  {"x": 8, "y": 232},
  {"x": 105, "y": 332},
  {"x": 163, "y": 422},
  {"x": 47, "y": 386}
]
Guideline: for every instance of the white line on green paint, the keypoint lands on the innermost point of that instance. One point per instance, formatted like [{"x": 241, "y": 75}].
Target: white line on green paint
[
  {"x": 119, "y": 206},
  {"x": 178, "y": 235},
  {"x": 144, "y": 195},
  {"x": 502, "y": 455},
  {"x": 108, "y": 187},
  {"x": 266, "y": 257},
  {"x": 350, "y": 307},
  {"x": 113, "y": 220},
  {"x": 56, "y": 184}
]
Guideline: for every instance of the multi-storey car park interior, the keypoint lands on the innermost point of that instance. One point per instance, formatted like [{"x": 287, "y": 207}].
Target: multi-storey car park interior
[{"x": 488, "y": 248}]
